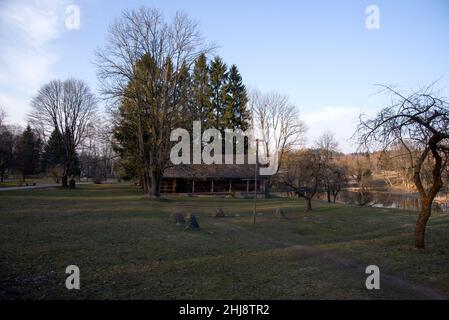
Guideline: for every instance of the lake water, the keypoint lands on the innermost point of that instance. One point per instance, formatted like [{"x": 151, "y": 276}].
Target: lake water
[{"x": 408, "y": 201}]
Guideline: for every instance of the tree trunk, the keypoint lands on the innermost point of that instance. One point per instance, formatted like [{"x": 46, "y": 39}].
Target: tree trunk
[
  {"x": 420, "y": 229},
  {"x": 156, "y": 181},
  {"x": 146, "y": 182},
  {"x": 309, "y": 204},
  {"x": 361, "y": 198},
  {"x": 65, "y": 180},
  {"x": 2, "y": 176},
  {"x": 65, "y": 176},
  {"x": 329, "y": 195},
  {"x": 268, "y": 185},
  {"x": 335, "y": 195},
  {"x": 427, "y": 197}
]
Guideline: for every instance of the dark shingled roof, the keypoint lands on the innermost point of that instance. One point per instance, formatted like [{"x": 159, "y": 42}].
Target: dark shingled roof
[{"x": 216, "y": 171}]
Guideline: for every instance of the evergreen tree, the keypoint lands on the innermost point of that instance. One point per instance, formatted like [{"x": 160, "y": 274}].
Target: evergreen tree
[
  {"x": 126, "y": 142},
  {"x": 201, "y": 108},
  {"x": 55, "y": 154},
  {"x": 71, "y": 160},
  {"x": 206, "y": 92},
  {"x": 29, "y": 150},
  {"x": 74, "y": 166},
  {"x": 7, "y": 144},
  {"x": 54, "y": 151},
  {"x": 218, "y": 83},
  {"x": 236, "y": 115},
  {"x": 184, "y": 90}
]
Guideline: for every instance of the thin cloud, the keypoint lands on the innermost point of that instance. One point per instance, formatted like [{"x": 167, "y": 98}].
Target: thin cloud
[
  {"x": 341, "y": 120},
  {"x": 25, "y": 59}
]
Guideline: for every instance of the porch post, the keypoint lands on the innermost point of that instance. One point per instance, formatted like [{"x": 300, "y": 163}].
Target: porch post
[
  {"x": 193, "y": 186},
  {"x": 212, "y": 187}
]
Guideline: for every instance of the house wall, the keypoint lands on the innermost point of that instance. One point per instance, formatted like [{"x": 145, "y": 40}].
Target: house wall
[{"x": 213, "y": 185}]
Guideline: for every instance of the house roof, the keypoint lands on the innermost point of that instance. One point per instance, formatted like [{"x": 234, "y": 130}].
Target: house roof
[{"x": 217, "y": 171}]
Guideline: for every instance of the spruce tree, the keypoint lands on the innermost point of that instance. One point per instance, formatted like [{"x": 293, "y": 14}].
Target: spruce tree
[
  {"x": 218, "y": 83},
  {"x": 201, "y": 107},
  {"x": 71, "y": 159},
  {"x": 56, "y": 154},
  {"x": 54, "y": 151},
  {"x": 236, "y": 115},
  {"x": 7, "y": 144},
  {"x": 28, "y": 153}
]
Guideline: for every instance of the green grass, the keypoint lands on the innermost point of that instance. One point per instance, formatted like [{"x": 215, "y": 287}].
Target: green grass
[
  {"x": 126, "y": 246},
  {"x": 9, "y": 184}
]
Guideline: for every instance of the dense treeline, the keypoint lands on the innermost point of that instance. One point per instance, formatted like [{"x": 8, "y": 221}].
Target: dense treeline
[
  {"x": 19, "y": 152},
  {"x": 25, "y": 154},
  {"x": 166, "y": 83},
  {"x": 214, "y": 95}
]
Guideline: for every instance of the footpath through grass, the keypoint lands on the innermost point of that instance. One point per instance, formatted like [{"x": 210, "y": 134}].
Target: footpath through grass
[
  {"x": 126, "y": 246},
  {"x": 29, "y": 182}
]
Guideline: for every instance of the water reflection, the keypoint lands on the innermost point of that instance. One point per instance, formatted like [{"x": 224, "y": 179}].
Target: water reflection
[{"x": 387, "y": 200}]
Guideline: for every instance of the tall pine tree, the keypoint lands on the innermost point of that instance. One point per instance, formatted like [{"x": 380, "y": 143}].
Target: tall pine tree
[
  {"x": 218, "y": 83},
  {"x": 201, "y": 107},
  {"x": 54, "y": 151},
  {"x": 7, "y": 144},
  {"x": 29, "y": 150},
  {"x": 236, "y": 115},
  {"x": 55, "y": 155}
]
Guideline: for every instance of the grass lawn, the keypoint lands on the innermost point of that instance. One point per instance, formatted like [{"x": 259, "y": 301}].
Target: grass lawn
[{"x": 126, "y": 246}]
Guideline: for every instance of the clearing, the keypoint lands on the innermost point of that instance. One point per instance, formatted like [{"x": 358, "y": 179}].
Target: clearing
[{"x": 127, "y": 247}]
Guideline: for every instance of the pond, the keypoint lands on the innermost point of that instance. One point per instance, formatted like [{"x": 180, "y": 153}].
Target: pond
[{"x": 396, "y": 200}]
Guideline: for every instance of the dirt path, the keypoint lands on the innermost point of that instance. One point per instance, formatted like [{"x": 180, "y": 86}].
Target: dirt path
[
  {"x": 42, "y": 186},
  {"x": 425, "y": 291}
]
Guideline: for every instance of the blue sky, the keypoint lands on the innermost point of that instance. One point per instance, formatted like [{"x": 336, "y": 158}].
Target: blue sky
[{"x": 318, "y": 52}]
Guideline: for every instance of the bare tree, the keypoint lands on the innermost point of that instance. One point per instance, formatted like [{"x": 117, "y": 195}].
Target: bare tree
[
  {"x": 303, "y": 172},
  {"x": 328, "y": 145},
  {"x": 420, "y": 122},
  {"x": 2, "y": 116},
  {"x": 359, "y": 168},
  {"x": 396, "y": 166},
  {"x": 97, "y": 155},
  {"x": 276, "y": 120},
  {"x": 144, "y": 65},
  {"x": 336, "y": 180},
  {"x": 68, "y": 107}
]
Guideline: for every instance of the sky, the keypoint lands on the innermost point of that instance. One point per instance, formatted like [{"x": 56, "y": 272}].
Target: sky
[{"x": 320, "y": 53}]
